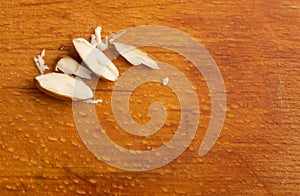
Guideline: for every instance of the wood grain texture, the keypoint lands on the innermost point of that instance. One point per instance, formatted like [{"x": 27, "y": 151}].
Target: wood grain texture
[{"x": 256, "y": 46}]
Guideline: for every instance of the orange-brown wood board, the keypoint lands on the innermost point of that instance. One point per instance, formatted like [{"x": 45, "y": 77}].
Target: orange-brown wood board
[{"x": 256, "y": 47}]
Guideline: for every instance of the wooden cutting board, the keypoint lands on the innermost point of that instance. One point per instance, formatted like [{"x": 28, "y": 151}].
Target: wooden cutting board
[{"x": 256, "y": 47}]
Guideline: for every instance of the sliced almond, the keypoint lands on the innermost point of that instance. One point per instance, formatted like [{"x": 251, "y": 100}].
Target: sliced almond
[
  {"x": 63, "y": 86},
  {"x": 69, "y": 66},
  {"x": 134, "y": 55},
  {"x": 96, "y": 60}
]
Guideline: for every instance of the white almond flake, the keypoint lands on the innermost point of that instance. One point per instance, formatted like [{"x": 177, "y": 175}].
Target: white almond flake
[
  {"x": 93, "y": 101},
  {"x": 103, "y": 46},
  {"x": 99, "y": 43},
  {"x": 98, "y": 32},
  {"x": 96, "y": 60},
  {"x": 43, "y": 53},
  {"x": 93, "y": 40},
  {"x": 165, "y": 81},
  {"x": 63, "y": 86},
  {"x": 40, "y": 63},
  {"x": 134, "y": 55},
  {"x": 69, "y": 66}
]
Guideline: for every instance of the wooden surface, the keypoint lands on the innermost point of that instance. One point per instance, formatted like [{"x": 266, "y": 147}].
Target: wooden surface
[{"x": 256, "y": 46}]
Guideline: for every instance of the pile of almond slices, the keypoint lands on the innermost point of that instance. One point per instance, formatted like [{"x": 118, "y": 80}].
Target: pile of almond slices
[{"x": 64, "y": 85}]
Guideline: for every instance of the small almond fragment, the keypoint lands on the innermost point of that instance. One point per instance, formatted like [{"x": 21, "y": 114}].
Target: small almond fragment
[
  {"x": 165, "y": 81},
  {"x": 40, "y": 63},
  {"x": 63, "y": 86},
  {"x": 93, "y": 40},
  {"x": 69, "y": 66},
  {"x": 96, "y": 60},
  {"x": 93, "y": 101},
  {"x": 134, "y": 55},
  {"x": 100, "y": 44}
]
